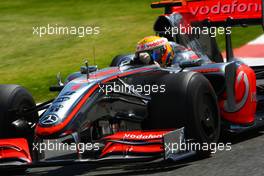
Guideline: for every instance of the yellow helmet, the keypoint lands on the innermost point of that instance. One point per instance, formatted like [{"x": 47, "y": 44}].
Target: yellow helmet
[{"x": 158, "y": 48}]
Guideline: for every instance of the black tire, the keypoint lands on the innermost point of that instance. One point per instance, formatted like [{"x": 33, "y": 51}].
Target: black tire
[
  {"x": 189, "y": 101},
  {"x": 13, "y": 97},
  {"x": 16, "y": 97},
  {"x": 117, "y": 60}
]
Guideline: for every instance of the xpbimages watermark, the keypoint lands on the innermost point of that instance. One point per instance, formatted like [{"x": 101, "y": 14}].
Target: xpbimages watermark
[
  {"x": 182, "y": 146},
  {"x": 79, "y": 31},
  {"x": 181, "y": 29},
  {"x": 144, "y": 89},
  {"x": 58, "y": 146}
]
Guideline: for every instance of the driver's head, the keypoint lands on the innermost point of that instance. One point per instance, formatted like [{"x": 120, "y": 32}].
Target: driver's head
[{"x": 154, "y": 49}]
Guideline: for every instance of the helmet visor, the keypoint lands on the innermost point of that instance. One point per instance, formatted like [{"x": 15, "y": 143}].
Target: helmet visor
[
  {"x": 149, "y": 56},
  {"x": 157, "y": 53}
]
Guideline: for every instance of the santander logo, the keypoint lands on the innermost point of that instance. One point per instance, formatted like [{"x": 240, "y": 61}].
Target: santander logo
[
  {"x": 141, "y": 136},
  {"x": 235, "y": 6}
]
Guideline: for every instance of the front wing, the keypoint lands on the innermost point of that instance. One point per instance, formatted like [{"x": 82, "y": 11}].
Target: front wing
[{"x": 134, "y": 146}]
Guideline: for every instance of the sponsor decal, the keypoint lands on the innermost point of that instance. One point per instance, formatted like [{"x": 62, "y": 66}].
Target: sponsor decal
[
  {"x": 242, "y": 76},
  {"x": 49, "y": 119},
  {"x": 151, "y": 45},
  {"x": 227, "y": 8},
  {"x": 142, "y": 136}
]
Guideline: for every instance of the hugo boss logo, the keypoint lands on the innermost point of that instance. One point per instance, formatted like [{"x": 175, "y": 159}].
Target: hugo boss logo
[
  {"x": 55, "y": 108},
  {"x": 61, "y": 99},
  {"x": 68, "y": 93}
]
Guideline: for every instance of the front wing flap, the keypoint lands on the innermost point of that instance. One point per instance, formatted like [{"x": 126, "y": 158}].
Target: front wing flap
[{"x": 15, "y": 152}]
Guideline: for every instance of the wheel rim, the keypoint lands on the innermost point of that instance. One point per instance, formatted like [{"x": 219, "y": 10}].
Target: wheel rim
[{"x": 208, "y": 121}]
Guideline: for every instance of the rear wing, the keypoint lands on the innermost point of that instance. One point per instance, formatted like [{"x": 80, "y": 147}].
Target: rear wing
[{"x": 217, "y": 12}]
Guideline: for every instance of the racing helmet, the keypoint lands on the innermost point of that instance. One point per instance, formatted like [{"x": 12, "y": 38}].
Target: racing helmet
[{"x": 154, "y": 49}]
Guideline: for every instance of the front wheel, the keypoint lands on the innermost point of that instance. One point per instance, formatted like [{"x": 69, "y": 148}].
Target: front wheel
[
  {"x": 189, "y": 101},
  {"x": 14, "y": 99}
]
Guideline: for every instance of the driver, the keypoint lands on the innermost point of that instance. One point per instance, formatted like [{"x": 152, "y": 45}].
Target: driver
[{"x": 158, "y": 50}]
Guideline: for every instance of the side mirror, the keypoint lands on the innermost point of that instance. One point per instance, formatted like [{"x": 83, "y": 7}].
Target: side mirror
[
  {"x": 56, "y": 88},
  {"x": 90, "y": 69},
  {"x": 190, "y": 63},
  {"x": 59, "y": 82},
  {"x": 59, "y": 86}
]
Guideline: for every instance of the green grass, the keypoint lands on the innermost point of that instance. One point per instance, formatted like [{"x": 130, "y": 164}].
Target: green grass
[{"x": 33, "y": 62}]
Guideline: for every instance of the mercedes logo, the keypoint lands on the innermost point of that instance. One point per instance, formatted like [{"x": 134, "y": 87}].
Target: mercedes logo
[{"x": 49, "y": 120}]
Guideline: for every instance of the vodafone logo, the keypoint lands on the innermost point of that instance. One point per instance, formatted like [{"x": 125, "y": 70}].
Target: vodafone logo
[
  {"x": 227, "y": 8},
  {"x": 242, "y": 76},
  {"x": 141, "y": 136}
]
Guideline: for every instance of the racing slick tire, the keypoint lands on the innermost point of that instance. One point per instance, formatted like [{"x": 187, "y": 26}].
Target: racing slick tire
[
  {"x": 189, "y": 101},
  {"x": 15, "y": 97},
  {"x": 117, "y": 60}
]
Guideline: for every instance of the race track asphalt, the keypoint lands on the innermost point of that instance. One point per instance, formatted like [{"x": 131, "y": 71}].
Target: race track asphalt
[{"x": 245, "y": 158}]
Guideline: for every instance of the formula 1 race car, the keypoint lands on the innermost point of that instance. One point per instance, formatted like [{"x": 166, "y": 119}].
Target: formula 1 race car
[{"x": 130, "y": 111}]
